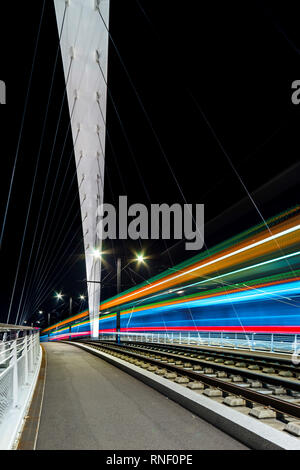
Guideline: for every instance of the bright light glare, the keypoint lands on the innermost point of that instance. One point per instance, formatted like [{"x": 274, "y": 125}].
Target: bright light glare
[
  {"x": 140, "y": 258},
  {"x": 40, "y": 311},
  {"x": 82, "y": 297},
  {"x": 97, "y": 253},
  {"x": 59, "y": 295},
  {"x": 216, "y": 260}
]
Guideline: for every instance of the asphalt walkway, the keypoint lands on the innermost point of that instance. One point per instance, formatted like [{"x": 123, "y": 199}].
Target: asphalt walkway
[{"x": 90, "y": 404}]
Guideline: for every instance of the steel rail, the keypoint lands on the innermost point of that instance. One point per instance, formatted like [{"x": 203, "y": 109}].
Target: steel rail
[
  {"x": 295, "y": 386},
  {"x": 277, "y": 404},
  {"x": 257, "y": 359}
]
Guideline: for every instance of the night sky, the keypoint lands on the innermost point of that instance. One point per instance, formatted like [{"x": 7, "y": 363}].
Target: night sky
[{"x": 215, "y": 82}]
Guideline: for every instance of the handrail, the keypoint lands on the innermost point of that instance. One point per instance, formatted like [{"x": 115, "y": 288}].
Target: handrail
[{"x": 19, "y": 362}]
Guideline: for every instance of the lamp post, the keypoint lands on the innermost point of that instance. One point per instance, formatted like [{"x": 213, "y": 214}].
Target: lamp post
[
  {"x": 139, "y": 259},
  {"x": 60, "y": 296},
  {"x": 118, "y": 325}
]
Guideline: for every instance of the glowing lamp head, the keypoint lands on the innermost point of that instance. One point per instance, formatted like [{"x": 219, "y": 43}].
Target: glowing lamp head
[
  {"x": 97, "y": 253},
  {"x": 82, "y": 297},
  {"x": 140, "y": 258},
  {"x": 59, "y": 296}
]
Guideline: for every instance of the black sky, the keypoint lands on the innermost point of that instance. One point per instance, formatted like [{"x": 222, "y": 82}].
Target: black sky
[{"x": 227, "y": 63}]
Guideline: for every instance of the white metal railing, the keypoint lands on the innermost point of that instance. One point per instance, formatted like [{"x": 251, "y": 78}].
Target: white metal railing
[
  {"x": 282, "y": 343},
  {"x": 19, "y": 364}
]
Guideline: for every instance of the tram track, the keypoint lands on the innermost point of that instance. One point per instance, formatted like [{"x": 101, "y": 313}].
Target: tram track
[
  {"x": 279, "y": 363},
  {"x": 217, "y": 380}
]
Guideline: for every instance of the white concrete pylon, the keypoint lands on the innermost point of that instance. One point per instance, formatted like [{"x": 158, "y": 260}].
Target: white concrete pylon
[{"x": 83, "y": 33}]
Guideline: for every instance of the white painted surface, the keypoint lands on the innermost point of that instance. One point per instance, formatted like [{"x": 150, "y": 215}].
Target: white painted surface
[
  {"x": 13, "y": 416},
  {"x": 83, "y": 34}
]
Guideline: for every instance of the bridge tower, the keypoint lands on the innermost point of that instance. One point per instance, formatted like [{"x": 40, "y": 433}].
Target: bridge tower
[{"x": 83, "y": 29}]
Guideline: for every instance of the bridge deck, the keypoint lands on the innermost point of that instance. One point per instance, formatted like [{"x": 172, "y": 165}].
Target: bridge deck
[{"x": 90, "y": 404}]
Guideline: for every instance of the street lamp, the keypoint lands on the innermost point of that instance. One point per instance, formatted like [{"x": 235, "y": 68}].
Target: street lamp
[
  {"x": 48, "y": 315},
  {"x": 97, "y": 253},
  {"x": 58, "y": 295},
  {"x": 139, "y": 259}
]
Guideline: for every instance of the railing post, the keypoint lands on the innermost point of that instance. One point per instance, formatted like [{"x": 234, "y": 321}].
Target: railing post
[
  {"x": 15, "y": 374},
  {"x": 272, "y": 341},
  {"x": 30, "y": 352},
  {"x": 33, "y": 349},
  {"x": 26, "y": 359},
  {"x": 38, "y": 344},
  {"x": 37, "y": 336},
  {"x": 295, "y": 345},
  {"x": 2, "y": 351}
]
